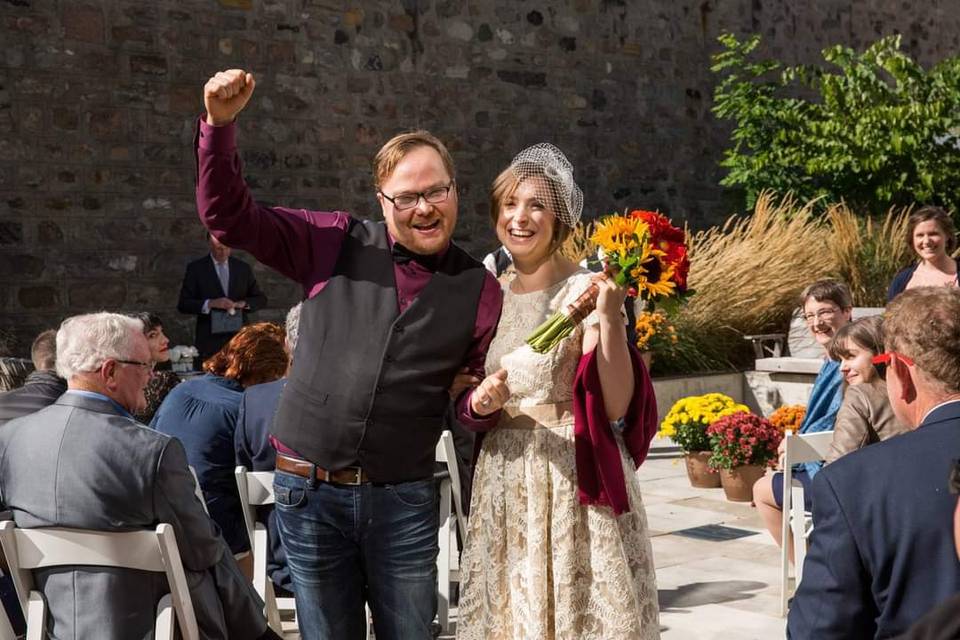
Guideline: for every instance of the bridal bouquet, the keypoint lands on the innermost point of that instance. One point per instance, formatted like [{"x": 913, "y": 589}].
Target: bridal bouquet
[{"x": 643, "y": 252}]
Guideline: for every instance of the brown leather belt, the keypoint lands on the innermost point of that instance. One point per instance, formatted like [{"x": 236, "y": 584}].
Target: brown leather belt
[{"x": 347, "y": 475}]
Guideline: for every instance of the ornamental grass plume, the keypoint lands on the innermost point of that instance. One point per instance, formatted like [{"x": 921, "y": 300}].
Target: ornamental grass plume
[
  {"x": 869, "y": 251},
  {"x": 748, "y": 274},
  {"x": 688, "y": 419},
  {"x": 742, "y": 438},
  {"x": 577, "y": 247}
]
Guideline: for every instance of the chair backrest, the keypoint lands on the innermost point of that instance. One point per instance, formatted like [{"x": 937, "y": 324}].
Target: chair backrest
[
  {"x": 156, "y": 550},
  {"x": 806, "y": 447},
  {"x": 255, "y": 489}
]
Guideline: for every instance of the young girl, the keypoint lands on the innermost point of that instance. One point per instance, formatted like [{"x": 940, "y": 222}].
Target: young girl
[{"x": 865, "y": 417}]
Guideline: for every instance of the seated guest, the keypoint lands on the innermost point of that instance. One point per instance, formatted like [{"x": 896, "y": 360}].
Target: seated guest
[
  {"x": 202, "y": 413},
  {"x": 865, "y": 417},
  {"x": 41, "y": 387},
  {"x": 84, "y": 462},
  {"x": 826, "y": 306},
  {"x": 251, "y": 442},
  {"x": 13, "y": 373},
  {"x": 163, "y": 379},
  {"x": 932, "y": 236},
  {"x": 882, "y": 550}
]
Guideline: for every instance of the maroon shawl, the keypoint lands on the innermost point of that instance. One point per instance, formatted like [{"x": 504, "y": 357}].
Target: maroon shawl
[{"x": 599, "y": 470}]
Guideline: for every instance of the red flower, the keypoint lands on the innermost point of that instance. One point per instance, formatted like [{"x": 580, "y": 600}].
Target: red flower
[{"x": 669, "y": 239}]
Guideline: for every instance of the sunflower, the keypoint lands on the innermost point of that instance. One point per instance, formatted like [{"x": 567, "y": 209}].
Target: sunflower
[{"x": 619, "y": 235}]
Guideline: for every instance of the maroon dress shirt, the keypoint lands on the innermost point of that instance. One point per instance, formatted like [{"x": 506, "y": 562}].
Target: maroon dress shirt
[{"x": 304, "y": 245}]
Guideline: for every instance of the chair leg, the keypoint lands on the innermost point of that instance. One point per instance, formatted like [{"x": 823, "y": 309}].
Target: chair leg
[
  {"x": 165, "y": 619},
  {"x": 270, "y": 604},
  {"x": 443, "y": 557},
  {"x": 36, "y": 614},
  {"x": 798, "y": 524},
  {"x": 785, "y": 544}
]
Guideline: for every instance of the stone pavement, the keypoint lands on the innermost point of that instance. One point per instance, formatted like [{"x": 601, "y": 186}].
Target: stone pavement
[{"x": 709, "y": 590}]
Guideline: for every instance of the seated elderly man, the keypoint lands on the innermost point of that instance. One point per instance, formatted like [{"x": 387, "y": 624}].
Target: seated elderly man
[
  {"x": 882, "y": 550},
  {"x": 84, "y": 462}
]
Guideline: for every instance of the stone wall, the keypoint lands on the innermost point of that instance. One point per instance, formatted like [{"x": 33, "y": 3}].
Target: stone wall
[{"x": 98, "y": 102}]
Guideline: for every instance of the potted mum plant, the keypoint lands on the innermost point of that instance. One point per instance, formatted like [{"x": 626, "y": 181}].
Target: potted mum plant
[
  {"x": 742, "y": 445},
  {"x": 654, "y": 331},
  {"x": 789, "y": 416},
  {"x": 687, "y": 423}
]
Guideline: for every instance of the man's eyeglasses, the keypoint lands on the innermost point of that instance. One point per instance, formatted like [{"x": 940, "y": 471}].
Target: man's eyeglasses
[
  {"x": 887, "y": 358},
  {"x": 405, "y": 201},
  {"x": 146, "y": 365},
  {"x": 823, "y": 314}
]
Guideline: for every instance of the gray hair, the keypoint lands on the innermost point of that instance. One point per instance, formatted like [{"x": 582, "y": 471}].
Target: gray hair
[
  {"x": 85, "y": 342},
  {"x": 293, "y": 327}
]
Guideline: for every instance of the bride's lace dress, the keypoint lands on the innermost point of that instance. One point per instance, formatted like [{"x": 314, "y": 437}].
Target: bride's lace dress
[{"x": 537, "y": 563}]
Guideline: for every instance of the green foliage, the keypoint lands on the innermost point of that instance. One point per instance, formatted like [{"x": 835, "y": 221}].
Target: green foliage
[
  {"x": 873, "y": 129},
  {"x": 691, "y": 437}
]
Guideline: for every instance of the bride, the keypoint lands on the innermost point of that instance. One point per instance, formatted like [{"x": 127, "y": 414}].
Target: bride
[{"x": 557, "y": 543}]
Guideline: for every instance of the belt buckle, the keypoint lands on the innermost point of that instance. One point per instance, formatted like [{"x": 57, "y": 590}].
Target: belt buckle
[{"x": 357, "y": 478}]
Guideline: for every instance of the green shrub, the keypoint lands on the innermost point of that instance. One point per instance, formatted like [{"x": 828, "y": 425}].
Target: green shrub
[{"x": 872, "y": 129}]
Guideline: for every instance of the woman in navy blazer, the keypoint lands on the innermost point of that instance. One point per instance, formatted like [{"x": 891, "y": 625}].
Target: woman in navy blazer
[
  {"x": 202, "y": 413},
  {"x": 932, "y": 236}
]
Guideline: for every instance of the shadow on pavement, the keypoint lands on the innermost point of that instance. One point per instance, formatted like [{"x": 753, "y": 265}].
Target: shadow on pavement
[{"x": 698, "y": 594}]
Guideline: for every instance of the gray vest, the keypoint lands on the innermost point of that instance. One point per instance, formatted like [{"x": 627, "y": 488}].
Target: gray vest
[{"x": 370, "y": 384}]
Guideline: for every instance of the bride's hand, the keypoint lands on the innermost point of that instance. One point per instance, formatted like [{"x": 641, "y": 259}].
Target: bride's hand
[
  {"x": 491, "y": 394},
  {"x": 611, "y": 298}
]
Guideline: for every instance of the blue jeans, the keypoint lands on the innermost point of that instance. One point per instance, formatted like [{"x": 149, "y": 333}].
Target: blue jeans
[{"x": 347, "y": 545}]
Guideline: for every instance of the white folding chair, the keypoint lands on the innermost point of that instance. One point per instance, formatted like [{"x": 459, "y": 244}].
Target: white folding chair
[
  {"x": 448, "y": 559},
  {"x": 256, "y": 489},
  {"x": 197, "y": 491},
  {"x": 798, "y": 448},
  {"x": 156, "y": 550}
]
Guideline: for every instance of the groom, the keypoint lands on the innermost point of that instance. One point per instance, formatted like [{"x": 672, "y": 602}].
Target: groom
[{"x": 393, "y": 311}]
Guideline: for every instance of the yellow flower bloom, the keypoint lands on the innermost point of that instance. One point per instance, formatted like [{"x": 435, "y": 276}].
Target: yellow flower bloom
[{"x": 619, "y": 234}]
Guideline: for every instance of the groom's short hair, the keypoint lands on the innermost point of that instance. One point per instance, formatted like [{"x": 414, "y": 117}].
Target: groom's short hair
[{"x": 399, "y": 146}]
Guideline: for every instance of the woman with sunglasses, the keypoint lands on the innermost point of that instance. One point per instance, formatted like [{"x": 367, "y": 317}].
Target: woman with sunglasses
[{"x": 865, "y": 417}]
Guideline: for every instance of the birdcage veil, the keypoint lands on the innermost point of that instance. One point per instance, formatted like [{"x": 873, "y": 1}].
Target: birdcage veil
[{"x": 557, "y": 189}]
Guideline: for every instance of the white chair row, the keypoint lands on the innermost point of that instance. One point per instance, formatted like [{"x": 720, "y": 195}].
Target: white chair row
[{"x": 796, "y": 521}]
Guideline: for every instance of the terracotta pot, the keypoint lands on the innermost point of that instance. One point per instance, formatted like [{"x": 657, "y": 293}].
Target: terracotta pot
[
  {"x": 738, "y": 482},
  {"x": 701, "y": 476},
  {"x": 647, "y": 358}
]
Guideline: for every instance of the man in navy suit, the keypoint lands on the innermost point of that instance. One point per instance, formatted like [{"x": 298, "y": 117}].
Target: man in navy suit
[
  {"x": 215, "y": 288},
  {"x": 882, "y": 549},
  {"x": 251, "y": 442}
]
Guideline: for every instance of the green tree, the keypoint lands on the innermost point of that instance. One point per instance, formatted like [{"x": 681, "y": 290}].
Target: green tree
[{"x": 873, "y": 129}]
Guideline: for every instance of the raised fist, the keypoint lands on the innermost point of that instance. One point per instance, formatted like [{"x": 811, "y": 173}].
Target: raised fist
[{"x": 226, "y": 94}]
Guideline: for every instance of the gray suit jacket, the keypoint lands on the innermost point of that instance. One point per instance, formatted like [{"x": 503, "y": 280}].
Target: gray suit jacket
[{"x": 80, "y": 463}]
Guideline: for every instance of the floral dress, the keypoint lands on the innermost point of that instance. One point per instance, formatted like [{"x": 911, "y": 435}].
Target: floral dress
[{"x": 537, "y": 564}]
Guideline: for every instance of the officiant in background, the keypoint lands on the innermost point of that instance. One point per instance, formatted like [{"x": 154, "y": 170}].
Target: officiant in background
[{"x": 221, "y": 291}]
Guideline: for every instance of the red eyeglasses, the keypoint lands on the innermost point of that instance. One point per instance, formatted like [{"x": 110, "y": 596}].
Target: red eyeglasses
[{"x": 887, "y": 358}]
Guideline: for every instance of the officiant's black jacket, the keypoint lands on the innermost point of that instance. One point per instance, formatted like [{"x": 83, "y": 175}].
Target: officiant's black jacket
[{"x": 200, "y": 283}]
